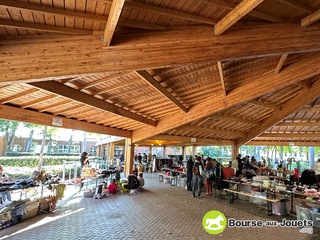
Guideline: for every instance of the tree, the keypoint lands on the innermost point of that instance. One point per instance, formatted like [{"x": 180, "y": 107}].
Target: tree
[
  {"x": 9, "y": 128},
  {"x": 30, "y": 126},
  {"x": 51, "y": 131}
]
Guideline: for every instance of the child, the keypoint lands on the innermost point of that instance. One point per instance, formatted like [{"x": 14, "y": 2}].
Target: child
[
  {"x": 141, "y": 180},
  {"x": 112, "y": 188}
]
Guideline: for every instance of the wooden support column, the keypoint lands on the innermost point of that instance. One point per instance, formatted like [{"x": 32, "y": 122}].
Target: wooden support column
[
  {"x": 129, "y": 156},
  {"x": 235, "y": 151},
  {"x": 184, "y": 153},
  {"x": 194, "y": 150}
]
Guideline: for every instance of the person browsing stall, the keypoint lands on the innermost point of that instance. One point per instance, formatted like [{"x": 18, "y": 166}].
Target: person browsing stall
[{"x": 5, "y": 195}]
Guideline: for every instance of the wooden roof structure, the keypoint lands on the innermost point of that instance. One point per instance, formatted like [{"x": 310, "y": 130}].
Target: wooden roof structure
[{"x": 179, "y": 72}]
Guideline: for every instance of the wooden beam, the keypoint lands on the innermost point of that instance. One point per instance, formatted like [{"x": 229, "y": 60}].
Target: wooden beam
[
  {"x": 281, "y": 62},
  {"x": 235, "y": 15},
  {"x": 85, "y": 56},
  {"x": 311, "y": 109},
  {"x": 23, "y": 115},
  {"x": 303, "y": 98},
  {"x": 62, "y": 90},
  {"x": 162, "y": 90},
  {"x": 42, "y": 27},
  {"x": 51, "y": 10},
  {"x": 263, "y": 104},
  {"x": 298, "y": 124},
  {"x": 312, "y": 18},
  {"x": 219, "y": 64},
  {"x": 113, "y": 18},
  {"x": 251, "y": 89},
  {"x": 253, "y": 13}
]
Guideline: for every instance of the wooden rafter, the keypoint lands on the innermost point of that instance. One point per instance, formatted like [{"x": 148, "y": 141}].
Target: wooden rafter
[
  {"x": 157, "y": 86},
  {"x": 281, "y": 63},
  {"x": 15, "y": 96},
  {"x": 290, "y": 106},
  {"x": 311, "y": 109},
  {"x": 263, "y": 104},
  {"x": 283, "y": 143},
  {"x": 113, "y": 18},
  {"x": 219, "y": 64},
  {"x": 251, "y": 89},
  {"x": 253, "y": 13},
  {"x": 52, "y": 10},
  {"x": 235, "y": 15},
  {"x": 312, "y": 18},
  {"x": 85, "y": 54},
  {"x": 23, "y": 115},
  {"x": 62, "y": 90},
  {"x": 54, "y": 105}
]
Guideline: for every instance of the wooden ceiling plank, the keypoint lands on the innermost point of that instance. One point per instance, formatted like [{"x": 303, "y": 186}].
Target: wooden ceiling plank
[
  {"x": 169, "y": 12},
  {"x": 219, "y": 64},
  {"x": 62, "y": 90},
  {"x": 251, "y": 89},
  {"x": 42, "y": 27},
  {"x": 52, "y": 10},
  {"x": 298, "y": 124},
  {"x": 23, "y": 115},
  {"x": 157, "y": 86},
  {"x": 37, "y": 101},
  {"x": 310, "y": 19},
  {"x": 116, "y": 86},
  {"x": 233, "y": 119},
  {"x": 113, "y": 18},
  {"x": 290, "y": 135},
  {"x": 105, "y": 79},
  {"x": 141, "y": 25},
  {"x": 263, "y": 104},
  {"x": 18, "y": 95},
  {"x": 211, "y": 130},
  {"x": 281, "y": 62},
  {"x": 297, "y": 5},
  {"x": 305, "y": 97},
  {"x": 235, "y": 15},
  {"x": 282, "y": 143},
  {"x": 54, "y": 105}
]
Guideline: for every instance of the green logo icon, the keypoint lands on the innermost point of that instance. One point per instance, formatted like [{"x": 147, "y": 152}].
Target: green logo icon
[{"x": 214, "y": 222}]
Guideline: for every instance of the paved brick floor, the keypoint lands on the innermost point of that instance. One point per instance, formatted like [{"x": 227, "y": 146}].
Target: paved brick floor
[{"x": 161, "y": 211}]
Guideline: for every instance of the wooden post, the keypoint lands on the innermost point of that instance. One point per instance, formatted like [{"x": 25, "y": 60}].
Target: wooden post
[
  {"x": 235, "y": 151},
  {"x": 129, "y": 156}
]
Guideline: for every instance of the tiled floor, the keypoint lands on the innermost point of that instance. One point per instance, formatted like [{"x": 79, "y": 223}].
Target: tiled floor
[{"x": 161, "y": 211}]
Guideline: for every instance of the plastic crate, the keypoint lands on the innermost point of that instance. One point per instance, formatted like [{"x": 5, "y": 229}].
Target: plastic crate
[
  {"x": 303, "y": 213},
  {"x": 281, "y": 208},
  {"x": 315, "y": 218}
]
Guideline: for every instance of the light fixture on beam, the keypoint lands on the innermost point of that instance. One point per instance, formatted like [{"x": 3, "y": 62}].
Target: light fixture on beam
[{"x": 291, "y": 144}]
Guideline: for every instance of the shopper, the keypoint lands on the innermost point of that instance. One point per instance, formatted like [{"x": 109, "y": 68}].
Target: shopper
[
  {"x": 5, "y": 195},
  {"x": 197, "y": 175},
  {"x": 141, "y": 180},
  {"x": 209, "y": 176},
  {"x": 316, "y": 168},
  {"x": 84, "y": 159},
  {"x": 189, "y": 173}
]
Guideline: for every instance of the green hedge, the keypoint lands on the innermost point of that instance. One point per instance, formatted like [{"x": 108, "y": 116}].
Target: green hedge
[{"x": 33, "y": 161}]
